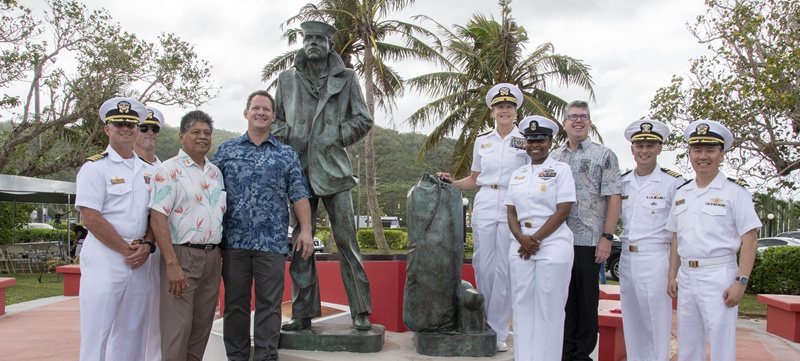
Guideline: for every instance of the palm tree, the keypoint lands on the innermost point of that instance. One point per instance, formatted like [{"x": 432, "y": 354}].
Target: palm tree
[
  {"x": 362, "y": 30},
  {"x": 484, "y": 53}
]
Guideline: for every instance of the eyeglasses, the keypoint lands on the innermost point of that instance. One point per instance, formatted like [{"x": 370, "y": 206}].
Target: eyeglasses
[
  {"x": 574, "y": 117},
  {"x": 154, "y": 128}
]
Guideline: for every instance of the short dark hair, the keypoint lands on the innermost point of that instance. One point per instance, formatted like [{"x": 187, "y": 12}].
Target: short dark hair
[
  {"x": 193, "y": 117},
  {"x": 578, "y": 104},
  {"x": 262, "y": 93}
]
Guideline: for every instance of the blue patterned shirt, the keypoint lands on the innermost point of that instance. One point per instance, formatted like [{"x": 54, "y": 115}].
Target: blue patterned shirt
[
  {"x": 595, "y": 169},
  {"x": 259, "y": 179}
]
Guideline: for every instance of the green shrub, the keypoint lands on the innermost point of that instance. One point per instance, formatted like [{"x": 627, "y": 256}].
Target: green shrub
[
  {"x": 470, "y": 246},
  {"x": 37, "y": 235},
  {"x": 396, "y": 239},
  {"x": 777, "y": 271}
]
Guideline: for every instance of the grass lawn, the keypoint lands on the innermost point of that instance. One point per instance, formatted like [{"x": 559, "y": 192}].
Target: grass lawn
[
  {"x": 750, "y": 307},
  {"x": 28, "y": 287}
]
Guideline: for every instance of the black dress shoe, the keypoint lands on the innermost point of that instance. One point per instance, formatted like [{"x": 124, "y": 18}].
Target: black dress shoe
[
  {"x": 361, "y": 322},
  {"x": 297, "y": 324}
]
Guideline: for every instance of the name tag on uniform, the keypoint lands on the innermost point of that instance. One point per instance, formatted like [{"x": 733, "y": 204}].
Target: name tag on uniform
[
  {"x": 117, "y": 180},
  {"x": 625, "y": 197},
  {"x": 486, "y": 145},
  {"x": 519, "y": 177},
  {"x": 679, "y": 202}
]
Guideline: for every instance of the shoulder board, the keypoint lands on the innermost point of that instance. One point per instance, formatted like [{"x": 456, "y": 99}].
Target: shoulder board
[
  {"x": 97, "y": 157},
  {"x": 738, "y": 181},
  {"x": 143, "y": 160},
  {"x": 485, "y": 133},
  {"x": 626, "y": 173},
  {"x": 685, "y": 183},
  {"x": 671, "y": 172}
]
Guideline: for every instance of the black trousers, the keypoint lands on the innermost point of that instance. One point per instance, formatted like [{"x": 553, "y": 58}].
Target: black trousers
[
  {"x": 239, "y": 269},
  {"x": 580, "y": 323}
]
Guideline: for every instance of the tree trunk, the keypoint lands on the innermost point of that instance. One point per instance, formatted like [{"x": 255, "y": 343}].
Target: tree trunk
[{"x": 369, "y": 153}]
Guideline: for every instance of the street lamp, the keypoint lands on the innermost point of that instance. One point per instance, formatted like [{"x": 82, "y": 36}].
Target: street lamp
[{"x": 771, "y": 217}]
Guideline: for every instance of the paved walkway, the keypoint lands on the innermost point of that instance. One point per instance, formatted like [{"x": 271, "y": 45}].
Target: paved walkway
[{"x": 48, "y": 329}]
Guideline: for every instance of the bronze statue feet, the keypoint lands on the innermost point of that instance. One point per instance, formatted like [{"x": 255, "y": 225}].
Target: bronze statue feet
[
  {"x": 361, "y": 322},
  {"x": 297, "y": 324}
]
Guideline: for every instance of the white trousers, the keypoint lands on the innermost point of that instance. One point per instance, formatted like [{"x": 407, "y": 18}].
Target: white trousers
[
  {"x": 113, "y": 304},
  {"x": 539, "y": 291},
  {"x": 703, "y": 315},
  {"x": 647, "y": 309},
  {"x": 490, "y": 262},
  {"x": 152, "y": 330}
]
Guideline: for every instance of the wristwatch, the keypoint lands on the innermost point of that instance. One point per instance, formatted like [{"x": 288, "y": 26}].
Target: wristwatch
[
  {"x": 608, "y": 236},
  {"x": 742, "y": 279},
  {"x": 152, "y": 246}
]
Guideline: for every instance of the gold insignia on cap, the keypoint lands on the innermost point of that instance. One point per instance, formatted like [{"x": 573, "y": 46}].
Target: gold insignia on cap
[
  {"x": 533, "y": 126},
  {"x": 646, "y": 127},
  {"x": 124, "y": 107},
  {"x": 149, "y": 113},
  {"x": 504, "y": 90},
  {"x": 702, "y": 129}
]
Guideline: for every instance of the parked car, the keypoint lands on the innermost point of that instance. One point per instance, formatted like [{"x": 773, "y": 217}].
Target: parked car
[
  {"x": 764, "y": 243},
  {"x": 318, "y": 245},
  {"x": 39, "y": 225},
  {"x": 793, "y": 234},
  {"x": 612, "y": 263}
]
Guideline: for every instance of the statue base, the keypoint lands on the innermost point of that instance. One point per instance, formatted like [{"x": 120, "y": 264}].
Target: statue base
[
  {"x": 482, "y": 344},
  {"x": 334, "y": 338}
]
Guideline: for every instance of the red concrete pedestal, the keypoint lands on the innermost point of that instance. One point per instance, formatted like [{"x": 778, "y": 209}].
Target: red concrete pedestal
[
  {"x": 783, "y": 315},
  {"x": 5, "y": 282},
  {"x": 72, "y": 279},
  {"x": 612, "y": 338}
]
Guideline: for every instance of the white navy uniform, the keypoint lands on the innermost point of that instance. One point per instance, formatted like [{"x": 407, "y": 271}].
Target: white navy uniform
[
  {"x": 540, "y": 284},
  {"x": 113, "y": 296},
  {"x": 709, "y": 223},
  {"x": 644, "y": 263},
  {"x": 152, "y": 333},
  {"x": 495, "y": 158}
]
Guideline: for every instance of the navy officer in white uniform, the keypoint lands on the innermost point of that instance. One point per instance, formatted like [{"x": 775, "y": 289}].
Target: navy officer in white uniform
[
  {"x": 648, "y": 192},
  {"x": 713, "y": 217},
  {"x": 145, "y": 148},
  {"x": 495, "y": 155},
  {"x": 112, "y": 193},
  {"x": 539, "y": 200}
]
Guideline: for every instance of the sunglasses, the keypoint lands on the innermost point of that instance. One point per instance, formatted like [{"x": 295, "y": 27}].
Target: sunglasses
[{"x": 154, "y": 128}]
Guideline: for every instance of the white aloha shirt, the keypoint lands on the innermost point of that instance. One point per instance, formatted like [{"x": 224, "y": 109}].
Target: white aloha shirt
[{"x": 193, "y": 198}]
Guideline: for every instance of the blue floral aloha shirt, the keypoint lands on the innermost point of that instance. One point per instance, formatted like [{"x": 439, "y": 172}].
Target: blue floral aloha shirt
[{"x": 259, "y": 179}]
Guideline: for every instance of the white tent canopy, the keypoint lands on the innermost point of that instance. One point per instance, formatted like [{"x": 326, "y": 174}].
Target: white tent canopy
[{"x": 20, "y": 189}]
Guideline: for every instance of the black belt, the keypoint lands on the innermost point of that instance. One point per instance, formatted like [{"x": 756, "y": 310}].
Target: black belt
[{"x": 205, "y": 247}]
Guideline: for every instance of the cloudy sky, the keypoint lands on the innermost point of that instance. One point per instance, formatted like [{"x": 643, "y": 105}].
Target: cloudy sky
[{"x": 633, "y": 47}]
